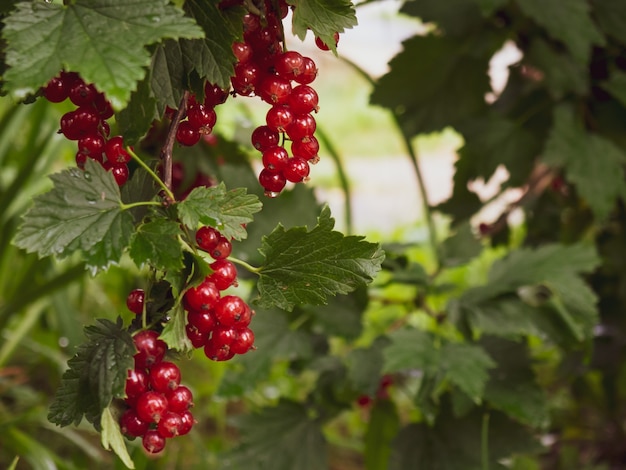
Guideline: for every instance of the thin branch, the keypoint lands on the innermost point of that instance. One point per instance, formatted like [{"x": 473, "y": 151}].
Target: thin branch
[{"x": 168, "y": 147}]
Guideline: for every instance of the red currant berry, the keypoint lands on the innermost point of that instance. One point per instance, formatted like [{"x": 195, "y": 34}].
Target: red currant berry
[
  {"x": 153, "y": 442},
  {"x": 263, "y": 138},
  {"x": 306, "y": 148},
  {"x": 303, "y": 99},
  {"x": 323, "y": 46},
  {"x": 273, "y": 182},
  {"x": 232, "y": 310},
  {"x": 132, "y": 425},
  {"x": 68, "y": 126},
  {"x": 279, "y": 117},
  {"x": 308, "y": 73},
  {"x": 169, "y": 424},
  {"x": 188, "y": 422},
  {"x": 135, "y": 301},
  {"x": 115, "y": 151},
  {"x": 224, "y": 274},
  {"x": 151, "y": 406},
  {"x": 243, "y": 342},
  {"x": 55, "y": 90},
  {"x": 218, "y": 346},
  {"x": 136, "y": 384},
  {"x": 243, "y": 51},
  {"x": 179, "y": 399},
  {"x": 289, "y": 64},
  {"x": 275, "y": 90},
  {"x": 103, "y": 106},
  {"x": 364, "y": 401},
  {"x": 202, "y": 117},
  {"x": 82, "y": 94},
  {"x": 207, "y": 238},
  {"x": 246, "y": 78},
  {"x": 214, "y": 95},
  {"x": 303, "y": 125},
  {"x": 92, "y": 145},
  {"x": 164, "y": 376},
  {"x": 187, "y": 134},
  {"x": 296, "y": 170},
  {"x": 86, "y": 120},
  {"x": 197, "y": 338},
  {"x": 119, "y": 170},
  {"x": 222, "y": 249},
  {"x": 275, "y": 158},
  {"x": 202, "y": 297},
  {"x": 150, "y": 349},
  {"x": 202, "y": 320}
]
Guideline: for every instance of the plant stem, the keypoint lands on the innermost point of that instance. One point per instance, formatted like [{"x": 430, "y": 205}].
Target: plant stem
[
  {"x": 154, "y": 176},
  {"x": 484, "y": 442},
  {"x": 125, "y": 207},
  {"x": 249, "y": 267},
  {"x": 168, "y": 147}
]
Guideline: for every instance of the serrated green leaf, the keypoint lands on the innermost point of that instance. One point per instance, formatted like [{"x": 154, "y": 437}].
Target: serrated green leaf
[
  {"x": 488, "y": 7},
  {"x": 174, "y": 333},
  {"x": 228, "y": 211},
  {"x": 454, "y": 17},
  {"x": 445, "y": 86},
  {"x": 461, "y": 247},
  {"x": 82, "y": 212},
  {"x": 167, "y": 75},
  {"x": 281, "y": 438},
  {"x": 112, "y": 438},
  {"x": 96, "y": 374},
  {"x": 324, "y": 18},
  {"x": 135, "y": 120},
  {"x": 411, "y": 349},
  {"x": 568, "y": 22},
  {"x": 589, "y": 161},
  {"x": 156, "y": 243},
  {"x": 306, "y": 267},
  {"x": 274, "y": 338},
  {"x": 383, "y": 426},
  {"x": 104, "y": 40},
  {"x": 466, "y": 366},
  {"x": 212, "y": 57}
]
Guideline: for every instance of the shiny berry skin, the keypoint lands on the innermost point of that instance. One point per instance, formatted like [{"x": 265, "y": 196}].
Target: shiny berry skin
[
  {"x": 169, "y": 424},
  {"x": 151, "y": 406},
  {"x": 82, "y": 94},
  {"x": 132, "y": 425},
  {"x": 275, "y": 158},
  {"x": 263, "y": 138},
  {"x": 308, "y": 73},
  {"x": 188, "y": 422},
  {"x": 119, "y": 171},
  {"x": 273, "y": 182},
  {"x": 150, "y": 349},
  {"x": 135, "y": 300},
  {"x": 243, "y": 342},
  {"x": 303, "y": 99},
  {"x": 218, "y": 346},
  {"x": 202, "y": 117},
  {"x": 303, "y": 125},
  {"x": 296, "y": 169},
  {"x": 153, "y": 442},
  {"x": 179, "y": 399},
  {"x": 164, "y": 376},
  {"x": 55, "y": 90},
  {"x": 222, "y": 249},
  {"x": 232, "y": 310},
  {"x": 187, "y": 134},
  {"x": 86, "y": 120},
  {"x": 224, "y": 274},
  {"x": 136, "y": 384},
  {"x": 202, "y": 320},
  {"x": 207, "y": 238},
  {"x": 246, "y": 78},
  {"x": 306, "y": 148},
  {"x": 243, "y": 51},
  {"x": 197, "y": 338},
  {"x": 323, "y": 46},
  {"x": 214, "y": 95},
  {"x": 92, "y": 145},
  {"x": 289, "y": 64},
  {"x": 68, "y": 126},
  {"x": 202, "y": 297},
  {"x": 278, "y": 118},
  {"x": 274, "y": 90},
  {"x": 115, "y": 151}
]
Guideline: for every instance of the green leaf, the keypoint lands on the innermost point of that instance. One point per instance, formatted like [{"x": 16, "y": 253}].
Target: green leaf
[
  {"x": 445, "y": 86},
  {"x": 112, "y": 438},
  {"x": 156, "y": 243},
  {"x": 174, "y": 333},
  {"x": 212, "y": 57},
  {"x": 488, "y": 7},
  {"x": 365, "y": 365},
  {"x": 82, "y": 212},
  {"x": 461, "y": 247},
  {"x": 589, "y": 160},
  {"x": 167, "y": 75},
  {"x": 454, "y": 17},
  {"x": 96, "y": 374},
  {"x": 411, "y": 349},
  {"x": 135, "y": 120},
  {"x": 104, "y": 40},
  {"x": 466, "y": 365},
  {"x": 228, "y": 211},
  {"x": 616, "y": 85},
  {"x": 281, "y": 438},
  {"x": 342, "y": 316},
  {"x": 568, "y": 22},
  {"x": 323, "y": 17},
  {"x": 383, "y": 426},
  {"x": 274, "y": 337},
  {"x": 306, "y": 267},
  {"x": 611, "y": 17}
]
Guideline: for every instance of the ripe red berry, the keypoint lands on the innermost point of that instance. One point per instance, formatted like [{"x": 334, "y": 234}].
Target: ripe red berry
[
  {"x": 136, "y": 384},
  {"x": 202, "y": 117},
  {"x": 202, "y": 320},
  {"x": 55, "y": 90},
  {"x": 232, "y": 310},
  {"x": 187, "y": 134},
  {"x": 153, "y": 442},
  {"x": 279, "y": 117},
  {"x": 164, "y": 376},
  {"x": 243, "y": 51},
  {"x": 207, "y": 238},
  {"x": 169, "y": 424},
  {"x": 132, "y": 425},
  {"x": 303, "y": 125},
  {"x": 296, "y": 169},
  {"x": 119, "y": 171},
  {"x": 306, "y": 148},
  {"x": 115, "y": 151},
  {"x": 243, "y": 342},
  {"x": 303, "y": 99},
  {"x": 224, "y": 274},
  {"x": 274, "y": 90},
  {"x": 150, "y": 349},
  {"x": 289, "y": 64},
  {"x": 272, "y": 181},
  {"x": 202, "y": 297},
  {"x": 151, "y": 406},
  {"x": 308, "y": 73},
  {"x": 180, "y": 399},
  {"x": 222, "y": 249},
  {"x": 92, "y": 145},
  {"x": 275, "y": 158},
  {"x": 82, "y": 94},
  {"x": 135, "y": 301},
  {"x": 198, "y": 339},
  {"x": 263, "y": 138},
  {"x": 214, "y": 95},
  {"x": 323, "y": 46},
  {"x": 188, "y": 422}
]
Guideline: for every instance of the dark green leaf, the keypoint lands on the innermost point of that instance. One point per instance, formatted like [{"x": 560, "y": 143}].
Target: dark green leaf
[
  {"x": 167, "y": 75},
  {"x": 281, "y": 438},
  {"x": 446, "y": 85},
  {"x": 156, "y": 243},
  {"x": 323, "y": 17},
  {"x": 411, "y": 349},
  {"x": 568, "y": 22},
  {"x": 212, "y": 57},
  {"x": 306, "y": 267},
  {"x": 104, "y": 40},
  {"x": 343, "y": 314},
  {"x": 83, "y": 211},
  {"x": 463, "y": 203},
  {"x": 365, "y": 367},
  {"x": 135, "y": 120},
  {"x": 611, "y": 17},
  {"x": 590, "y": 161},
  {"x": 454, "y": 17},
  {"x": 466, "y": 366},
  {"x": 228, "y": 211},
  {"x": 488, "y": 7},
  {"x": 616, "y": 85},
  {"x": 96, "y": 374},
  {"x": 461, "y": 247},
  {"x": 274, "y": 338},
  {"x": 383, "y": 426}
]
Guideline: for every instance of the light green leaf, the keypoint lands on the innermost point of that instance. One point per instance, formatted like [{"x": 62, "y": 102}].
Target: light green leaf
[
  {"x": 174, "y": 333},
  {"x": 104, "y": 40},
  {"x": 82, "y": 212},
  {"x": 466, "y": 366},
  {"x": 590, "y": 161},
  {"x": 227, "y": 211},
  {"x": 324, "y": 18},
  {"x": 568, "y": 22},
  {"x": 307, "y": 266},
  {"x": 112, "y": 439},
  {"x": 156, "y": 243}
]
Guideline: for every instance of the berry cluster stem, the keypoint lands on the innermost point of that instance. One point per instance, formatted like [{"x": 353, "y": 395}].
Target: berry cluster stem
[
  {"x": 168, "y": 147},
  {"x": 154, "y": 176}
]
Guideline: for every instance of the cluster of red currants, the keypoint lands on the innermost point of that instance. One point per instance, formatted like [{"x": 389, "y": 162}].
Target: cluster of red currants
[
  {"x": 87, "y": 124},
  {"x": 217, "y": 323},
  {"x": 158, "y": 406}
]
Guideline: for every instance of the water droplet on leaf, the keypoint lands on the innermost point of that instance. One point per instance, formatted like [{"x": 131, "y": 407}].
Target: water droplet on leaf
[{"x": 87, "y": 175}]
